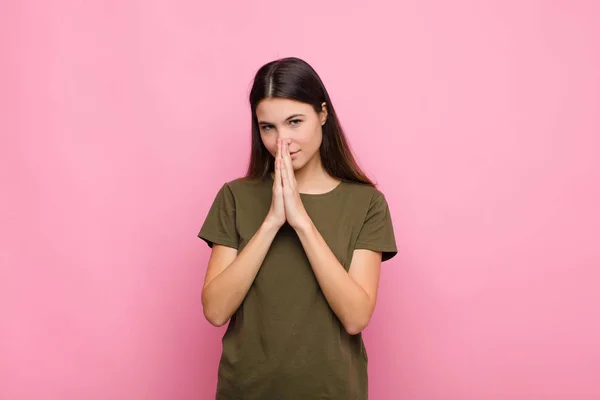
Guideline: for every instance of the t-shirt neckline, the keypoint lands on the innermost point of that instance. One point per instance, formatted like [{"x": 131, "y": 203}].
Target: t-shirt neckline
[{"x": 315, "y": 195}]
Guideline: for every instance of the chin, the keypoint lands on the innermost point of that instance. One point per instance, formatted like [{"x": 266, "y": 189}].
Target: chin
[
  {"x": 298, "y": 164},
  {"x": 298, "y": 167}
]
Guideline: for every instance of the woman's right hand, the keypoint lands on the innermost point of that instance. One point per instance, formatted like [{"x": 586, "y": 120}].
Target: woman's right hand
[{"x": 276, "y": 213}]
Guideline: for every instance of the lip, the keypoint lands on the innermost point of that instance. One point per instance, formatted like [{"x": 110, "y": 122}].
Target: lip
[{"x": 293, "y": 155}]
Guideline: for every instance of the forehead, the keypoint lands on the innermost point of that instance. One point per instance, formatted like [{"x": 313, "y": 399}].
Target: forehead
[{"x": 277, "y": 109}]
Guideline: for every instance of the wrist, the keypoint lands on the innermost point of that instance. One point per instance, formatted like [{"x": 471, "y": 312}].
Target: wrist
[
  {"x": 305, "y": 226},
  {"x": 270, "y": 225}
]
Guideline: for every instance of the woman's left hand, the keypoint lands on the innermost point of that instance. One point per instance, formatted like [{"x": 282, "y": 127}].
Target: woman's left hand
[{"x": 295, "y": 212}]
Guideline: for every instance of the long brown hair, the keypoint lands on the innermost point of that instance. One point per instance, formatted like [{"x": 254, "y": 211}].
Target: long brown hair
[{"x": 293, "y": 78}]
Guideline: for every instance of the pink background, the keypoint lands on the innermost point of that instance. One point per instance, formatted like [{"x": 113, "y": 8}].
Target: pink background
[{"x": 119, "y": 120}]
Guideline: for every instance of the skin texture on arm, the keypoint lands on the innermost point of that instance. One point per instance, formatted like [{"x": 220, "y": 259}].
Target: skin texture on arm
[
  {"x": 351, "y": 295},
  {"x": 229, "y": 275}
]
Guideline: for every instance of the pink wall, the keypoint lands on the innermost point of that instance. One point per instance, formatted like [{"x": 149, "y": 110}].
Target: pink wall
[{"x": 119, "y": 120}]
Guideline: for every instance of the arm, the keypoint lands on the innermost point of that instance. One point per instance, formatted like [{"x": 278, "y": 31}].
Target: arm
[
  {"x": 229, "y": 275},
  {"x": 351, "y": 295}
]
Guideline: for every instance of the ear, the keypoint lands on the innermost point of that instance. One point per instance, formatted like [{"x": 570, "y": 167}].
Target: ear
[{"x": 323, "y": 113}]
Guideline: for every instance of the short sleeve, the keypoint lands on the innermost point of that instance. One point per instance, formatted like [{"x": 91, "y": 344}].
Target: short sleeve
[
  {"x": 219, "y": 225},
  {"x": 377, "y": 232}
]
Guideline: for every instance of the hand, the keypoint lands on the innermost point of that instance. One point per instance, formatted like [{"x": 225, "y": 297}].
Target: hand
[
  {"x": 276, "y": 213},
  {"x": 295, "y": 213}
]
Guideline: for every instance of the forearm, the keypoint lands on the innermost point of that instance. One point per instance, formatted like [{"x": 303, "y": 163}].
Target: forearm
[
  {"x": 223, "y": 295},
  {"x": 345, "y": 296}
]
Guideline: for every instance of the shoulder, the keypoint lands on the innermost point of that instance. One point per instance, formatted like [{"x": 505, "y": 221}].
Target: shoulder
[
  {"x": 365, "y": 193},
  {"x": 244, "y": 187},
  {"x": 243, "y": 183}
]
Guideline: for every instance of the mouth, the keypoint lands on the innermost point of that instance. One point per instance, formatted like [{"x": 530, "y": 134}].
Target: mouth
[{"x": 293, "y": 154}]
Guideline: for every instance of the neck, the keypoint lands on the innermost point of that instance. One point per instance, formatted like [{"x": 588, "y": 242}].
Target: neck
[{"x": 313, "y": 177}]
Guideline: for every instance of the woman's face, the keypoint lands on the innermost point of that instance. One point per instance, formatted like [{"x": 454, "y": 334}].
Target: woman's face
[{"x": 296, "y": 122}]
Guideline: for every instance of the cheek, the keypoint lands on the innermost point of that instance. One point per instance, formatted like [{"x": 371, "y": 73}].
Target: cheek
[
  {"x": 314, "y": 138},
  {"x": 270, "y": 143}
]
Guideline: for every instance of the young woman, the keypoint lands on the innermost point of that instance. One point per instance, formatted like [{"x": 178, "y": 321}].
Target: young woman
[{"x": 297, "y": 246}]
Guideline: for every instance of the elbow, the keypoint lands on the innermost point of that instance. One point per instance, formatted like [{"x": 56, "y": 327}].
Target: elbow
[
  {"x": 358, "y": 320},
  {"x": 214, "y": 318},
  {"x": 213, "y": 314},
  {"x": 356, "y": 326},
  {"x": 353, "y": 329}
]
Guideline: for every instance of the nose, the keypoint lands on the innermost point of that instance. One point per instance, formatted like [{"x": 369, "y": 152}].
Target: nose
[{"x": 283, "y": 135}]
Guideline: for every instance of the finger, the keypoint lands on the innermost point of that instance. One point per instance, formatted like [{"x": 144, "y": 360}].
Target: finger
[
  {"x": 282, "y": 170},
  {"x": 277, "y": 180},
  {"x": 287, "y": 176},
  {"x": 288, "y": 164},
  {"x": 277, "y": 157}
]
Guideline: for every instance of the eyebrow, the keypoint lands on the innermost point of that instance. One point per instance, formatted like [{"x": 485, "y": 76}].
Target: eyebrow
[{"x": 287, "y": 119}]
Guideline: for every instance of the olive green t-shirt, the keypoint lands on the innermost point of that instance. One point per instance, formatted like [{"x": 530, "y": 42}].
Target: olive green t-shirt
[{"x": 284, "y": 342}]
